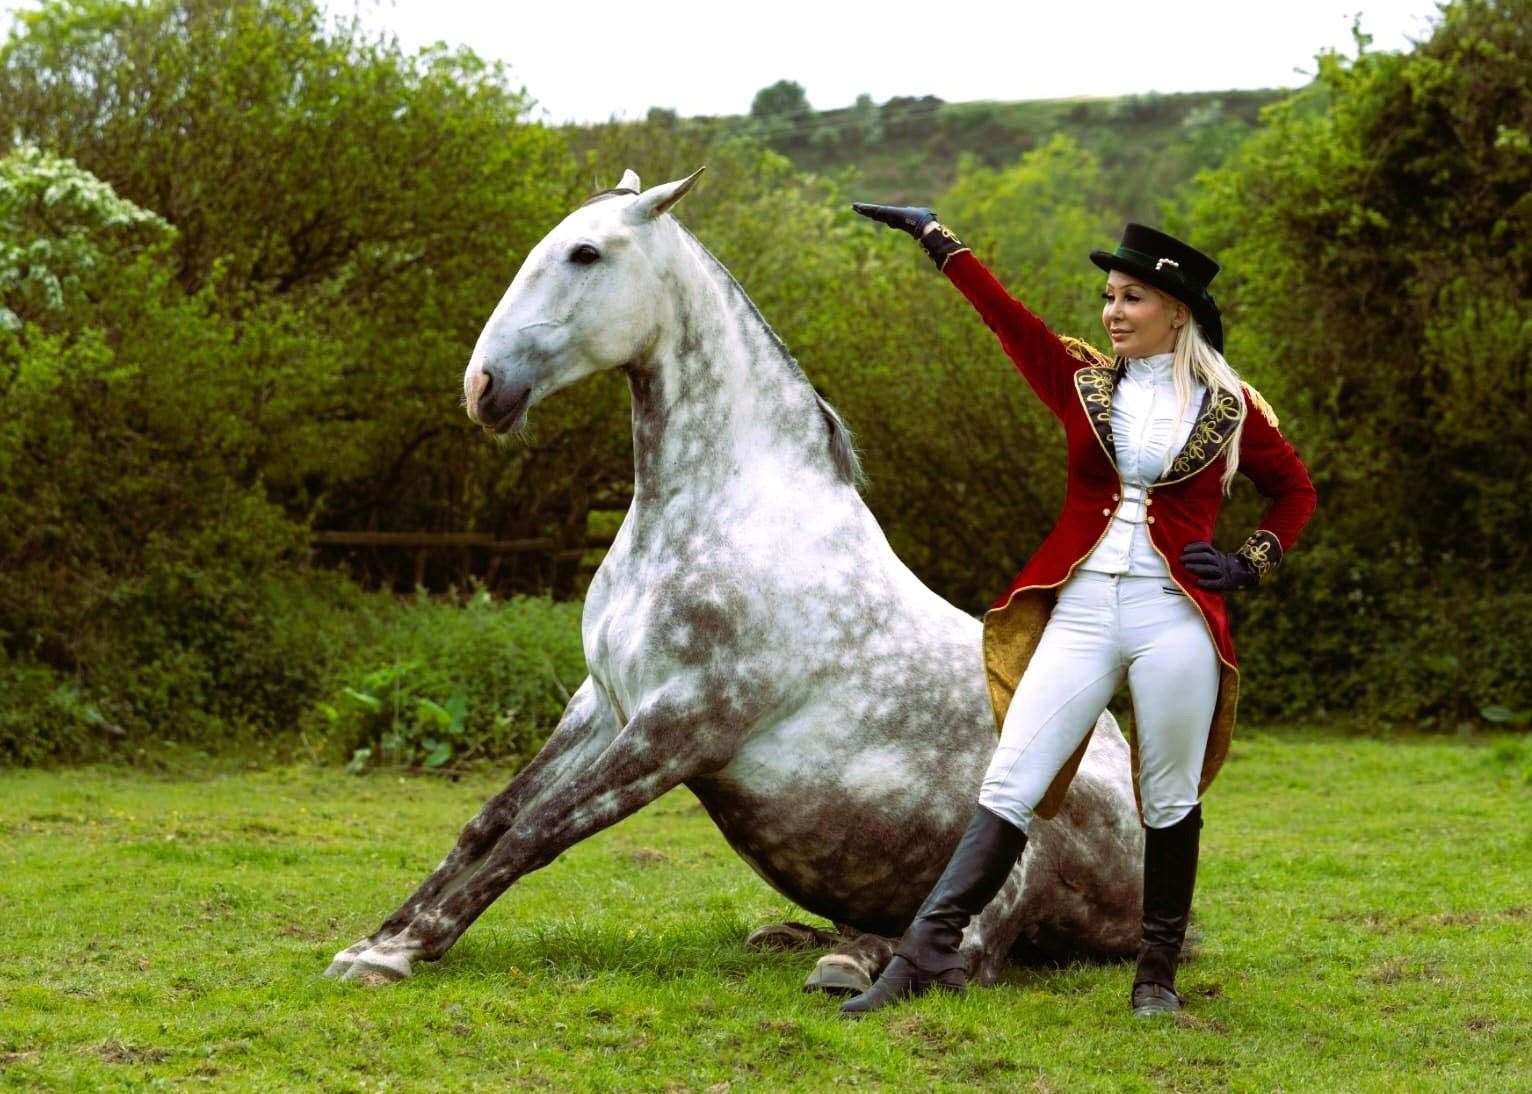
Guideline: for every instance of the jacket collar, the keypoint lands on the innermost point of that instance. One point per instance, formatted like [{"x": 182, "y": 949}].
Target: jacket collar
[{"x": 1216, "y": 421}]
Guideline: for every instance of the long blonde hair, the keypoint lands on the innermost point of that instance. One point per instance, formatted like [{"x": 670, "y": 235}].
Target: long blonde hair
[{"x": 1196, "y": 357}]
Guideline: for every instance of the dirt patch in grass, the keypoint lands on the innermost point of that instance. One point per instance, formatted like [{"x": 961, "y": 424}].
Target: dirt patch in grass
[
  {"x": 120, "y": 1052},
  {"x": 1395, "y": 969}
]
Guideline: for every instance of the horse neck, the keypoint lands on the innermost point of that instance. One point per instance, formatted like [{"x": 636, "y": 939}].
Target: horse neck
[{"x": 719, "y": 402}]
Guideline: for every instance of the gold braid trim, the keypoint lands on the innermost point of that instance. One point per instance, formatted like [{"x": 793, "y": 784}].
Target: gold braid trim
[
  {"x": 1081, "y": 350},
  {"x": 1262, "y": 550},
  {"x": 1094, "y": 385},
  {"x": 946, "y": 258},
  {"x": 1213, "y": 428},
  {"x": 1262, "y": 405}
]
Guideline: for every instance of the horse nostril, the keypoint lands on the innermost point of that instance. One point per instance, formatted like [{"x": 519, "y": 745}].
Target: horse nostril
[{"x": 485, "y": 384}]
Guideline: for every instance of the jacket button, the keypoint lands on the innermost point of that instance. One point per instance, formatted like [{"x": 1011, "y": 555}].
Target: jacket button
[
  {"x": 1106, "y": 512},
  {"x": 1116, "y": 496},
  {"x": 1148, "y": 501},
  {"x": 1151, "y": 520}
]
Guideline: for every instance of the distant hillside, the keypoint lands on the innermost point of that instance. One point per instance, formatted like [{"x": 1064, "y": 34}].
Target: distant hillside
[{"x": 907, "y": 149}]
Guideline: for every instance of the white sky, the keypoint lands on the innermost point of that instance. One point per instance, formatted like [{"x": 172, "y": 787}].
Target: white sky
[{"x": 588, "y": 60}]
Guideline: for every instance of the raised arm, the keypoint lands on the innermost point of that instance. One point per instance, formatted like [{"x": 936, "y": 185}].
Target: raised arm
[{"x": 1038, "y": 354}]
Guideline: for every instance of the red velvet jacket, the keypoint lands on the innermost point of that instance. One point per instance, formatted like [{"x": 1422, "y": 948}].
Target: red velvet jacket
[{"x": 1076, "y": 383}]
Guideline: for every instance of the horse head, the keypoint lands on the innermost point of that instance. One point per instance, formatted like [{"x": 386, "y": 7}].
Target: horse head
[{"x": 588, "y": 298}]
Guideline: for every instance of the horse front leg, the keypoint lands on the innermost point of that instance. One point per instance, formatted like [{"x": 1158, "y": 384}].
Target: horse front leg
[
  {"x": 585, "y": 729},
  {"x": 664, "y": 744}
]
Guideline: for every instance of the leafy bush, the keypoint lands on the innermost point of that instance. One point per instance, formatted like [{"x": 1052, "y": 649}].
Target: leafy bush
[
  {"x": 442, "y": 682},
  {"x": 301, "y": 664}
]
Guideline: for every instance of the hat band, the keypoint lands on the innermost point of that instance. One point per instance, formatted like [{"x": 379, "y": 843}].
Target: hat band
[{"x": 1156, "y": 264}]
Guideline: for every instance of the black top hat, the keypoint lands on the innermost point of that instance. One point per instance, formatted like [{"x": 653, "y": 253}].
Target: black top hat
[{"x": 1166, "y": 263}]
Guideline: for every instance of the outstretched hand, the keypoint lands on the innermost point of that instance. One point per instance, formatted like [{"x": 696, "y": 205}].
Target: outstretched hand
[
  {"x": 1217, "y": 570},
  {"x": 913, "y": 219}
]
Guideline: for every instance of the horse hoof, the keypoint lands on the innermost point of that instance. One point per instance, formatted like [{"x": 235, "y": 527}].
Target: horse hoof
[
  {"x": 373, "y": 969},
  {"x": 344, "y": 959},
  {"x": 836, "y": 975},
  {"x": 789, "y": 936}
]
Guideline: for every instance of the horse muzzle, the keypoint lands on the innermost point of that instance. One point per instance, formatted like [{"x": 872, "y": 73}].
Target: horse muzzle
[{"x": 500, "y": 406}]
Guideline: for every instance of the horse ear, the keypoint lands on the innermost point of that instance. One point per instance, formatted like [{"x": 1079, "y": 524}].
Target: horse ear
[
  {"x": 629, "y": 181},
  {"x": 658, "y": 199}
]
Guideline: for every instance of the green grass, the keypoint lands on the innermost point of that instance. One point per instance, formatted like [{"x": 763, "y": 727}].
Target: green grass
[{"x": 1365, "y": 907}]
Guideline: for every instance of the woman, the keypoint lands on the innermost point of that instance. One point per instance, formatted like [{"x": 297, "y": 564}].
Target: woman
[{"x": 1127, "y": 584}]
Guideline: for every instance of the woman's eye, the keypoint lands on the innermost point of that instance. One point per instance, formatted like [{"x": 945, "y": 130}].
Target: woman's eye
[{"x": 584, "y": 254}]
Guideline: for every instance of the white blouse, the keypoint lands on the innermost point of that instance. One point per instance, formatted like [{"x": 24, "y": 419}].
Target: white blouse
[{"x": 1148, "y": 434}]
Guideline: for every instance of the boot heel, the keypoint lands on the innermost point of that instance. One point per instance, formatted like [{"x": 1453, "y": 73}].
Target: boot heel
[{"x": 953, "y": 980}]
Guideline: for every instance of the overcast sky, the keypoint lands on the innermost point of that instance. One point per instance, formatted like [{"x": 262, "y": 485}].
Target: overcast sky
[{"x": 588, "y": 60}]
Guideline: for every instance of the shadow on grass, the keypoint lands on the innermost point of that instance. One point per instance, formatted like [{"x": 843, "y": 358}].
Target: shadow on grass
[{"x": 575, "y": 950}]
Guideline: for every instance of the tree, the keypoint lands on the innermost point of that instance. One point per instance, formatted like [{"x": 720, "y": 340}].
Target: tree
[
  {"x": 783, "y": 99},
  {"x": 375, "y": 200}
]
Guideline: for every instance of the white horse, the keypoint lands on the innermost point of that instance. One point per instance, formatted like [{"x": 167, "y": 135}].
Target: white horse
[{"x": 751, "y": 635}]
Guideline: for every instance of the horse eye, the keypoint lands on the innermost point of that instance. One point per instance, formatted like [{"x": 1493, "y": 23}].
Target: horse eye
[{"x": 584, "y": 254}]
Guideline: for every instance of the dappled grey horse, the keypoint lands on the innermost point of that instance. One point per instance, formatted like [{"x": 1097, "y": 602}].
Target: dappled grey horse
[{"x": 751, "y": 635}]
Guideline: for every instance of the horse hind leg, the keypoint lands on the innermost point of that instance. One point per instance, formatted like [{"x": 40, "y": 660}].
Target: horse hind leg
[
  {"x": 991, "y": 934},
  {"x": 792, "y": 935},
  {"x": 851, "y": 967},
  {"x": 1074, "y": 894}
]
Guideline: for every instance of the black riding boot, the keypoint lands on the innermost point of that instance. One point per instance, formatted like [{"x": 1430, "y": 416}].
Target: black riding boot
[
  {"x": 1170, "y": 871},
  {"x": 928, "y": 955}
]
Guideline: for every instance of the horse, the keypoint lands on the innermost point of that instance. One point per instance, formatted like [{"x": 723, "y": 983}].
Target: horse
[{"x": 751, "y": 635}]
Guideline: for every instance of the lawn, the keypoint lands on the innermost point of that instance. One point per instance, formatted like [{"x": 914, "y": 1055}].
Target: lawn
[{"x": 1365, "y": 905}]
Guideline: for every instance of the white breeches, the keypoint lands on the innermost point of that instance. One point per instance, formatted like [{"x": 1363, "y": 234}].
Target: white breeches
[{"x": 1102, "y": 627}]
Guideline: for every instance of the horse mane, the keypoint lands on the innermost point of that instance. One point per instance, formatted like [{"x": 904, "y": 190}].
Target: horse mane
[
  {"x": 599, "y": 194},
  {"x": 842, "y": 447}
]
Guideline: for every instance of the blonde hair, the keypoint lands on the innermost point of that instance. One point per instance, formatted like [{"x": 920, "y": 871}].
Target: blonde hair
[{"x": 1196, "y": 357}]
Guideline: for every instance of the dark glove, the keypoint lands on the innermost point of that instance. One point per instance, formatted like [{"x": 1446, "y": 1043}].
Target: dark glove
[
  {"x": 907, "y": 218},
  {"x": 939, "y": 243},
  {"x": 1217, "y": 570}
]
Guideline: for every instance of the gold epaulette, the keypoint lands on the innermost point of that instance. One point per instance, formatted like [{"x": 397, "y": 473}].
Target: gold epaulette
[
  {"x": 1081, "y": 350},
  {"x": 1262, "y": 405}
]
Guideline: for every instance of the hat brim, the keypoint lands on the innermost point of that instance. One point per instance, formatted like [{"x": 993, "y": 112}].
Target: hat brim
[{"x": 1205, "y": 312}]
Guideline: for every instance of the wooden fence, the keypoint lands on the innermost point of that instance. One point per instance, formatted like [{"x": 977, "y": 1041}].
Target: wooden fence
[{"x": 421, "y": 546}]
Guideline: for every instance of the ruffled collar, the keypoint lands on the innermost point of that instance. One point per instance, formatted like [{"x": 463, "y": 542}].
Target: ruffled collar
[{"x": 1156, "y": 367}]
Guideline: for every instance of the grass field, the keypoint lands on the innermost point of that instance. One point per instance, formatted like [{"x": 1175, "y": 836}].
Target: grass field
[{"x": 1365, "y": 904}]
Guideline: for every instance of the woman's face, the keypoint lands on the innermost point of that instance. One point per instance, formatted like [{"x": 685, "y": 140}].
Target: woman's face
[{"x": 1141, "y": 320}]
